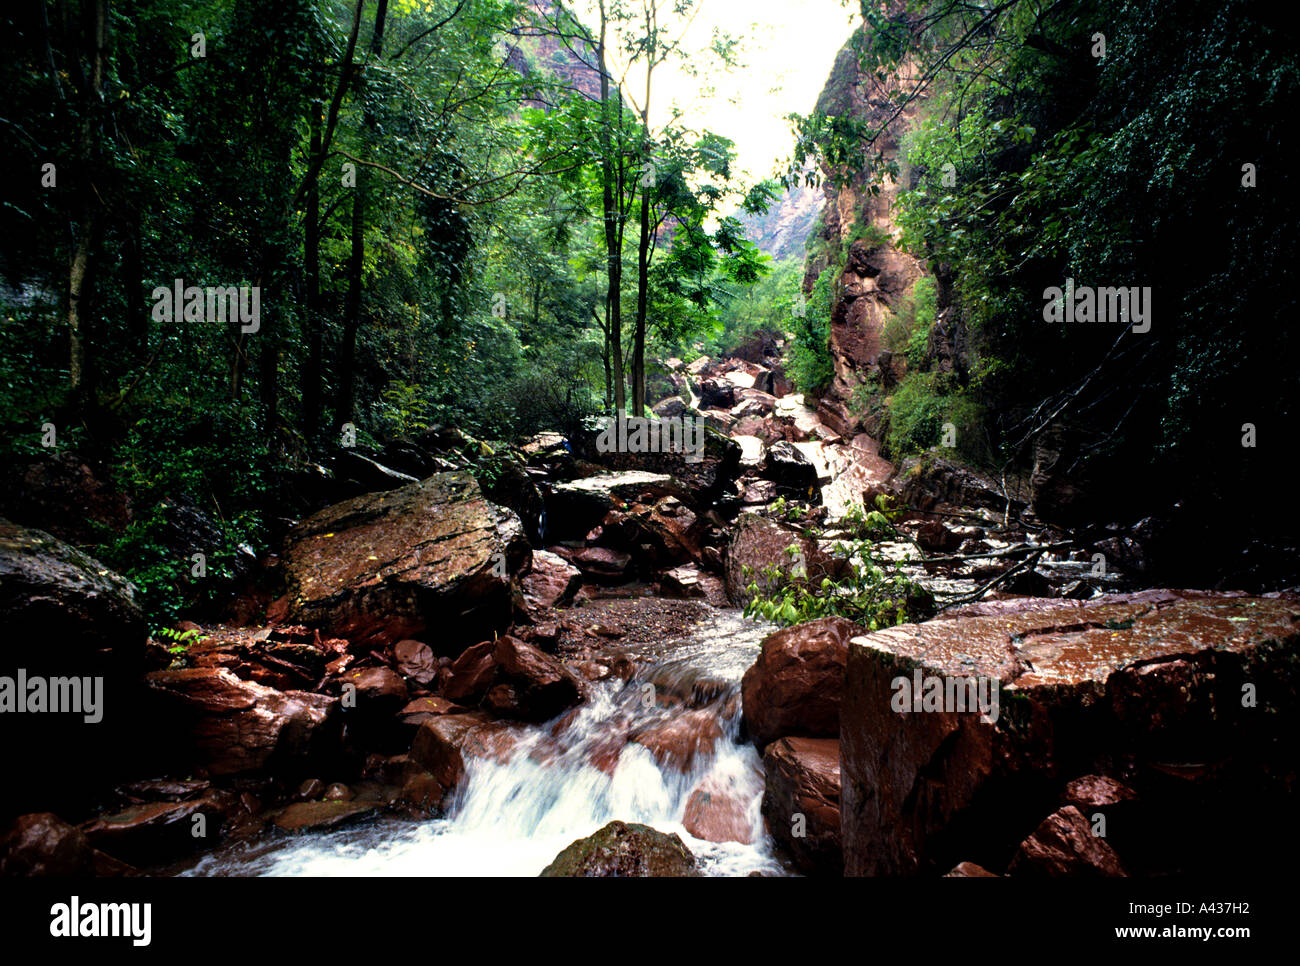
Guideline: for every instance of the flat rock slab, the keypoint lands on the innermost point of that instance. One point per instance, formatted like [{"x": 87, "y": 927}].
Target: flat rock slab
[
  {"x": 392, "y": 565},
  {"x": 1158, "y": 680},
  {"x": 316, "y": 816}
]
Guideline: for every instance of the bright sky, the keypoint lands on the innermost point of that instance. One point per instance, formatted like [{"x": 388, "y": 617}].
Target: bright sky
[{"x": 787, "y": 49}]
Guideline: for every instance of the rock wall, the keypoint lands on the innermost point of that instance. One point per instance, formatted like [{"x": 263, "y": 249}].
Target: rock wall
[{"x": 875, "y": 275}]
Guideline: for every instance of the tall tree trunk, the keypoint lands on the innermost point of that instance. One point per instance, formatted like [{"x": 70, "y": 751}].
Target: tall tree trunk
[
  {"x": 352, "y": 313},
  {"x": 311, "y": 371},
  {"x": 81, "y": 362},
  {"x": 643, "y": 246},
  {"x": 613, "y": 237}
]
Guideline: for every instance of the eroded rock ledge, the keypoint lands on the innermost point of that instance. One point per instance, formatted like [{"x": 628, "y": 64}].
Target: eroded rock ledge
[{"x": 1189, "y": 699}]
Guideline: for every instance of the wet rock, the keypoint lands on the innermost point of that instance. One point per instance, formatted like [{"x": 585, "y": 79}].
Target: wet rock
[
  {"x": 670, "y": 407},
  {"x": 53, "y": 593},
  {"x": 1065, "y": 846},
  {"x": 1096, "y": 792},
  {"x": 383, "y": 567},
  {"x": 624, "y": 850},
  {"x": 969, "y": 870},
  {"x": 338, "y": 792},
  {"x": 758, "y": 492},
  {"x": 42, "y": 844},
  {"x": 510, "y": 486},
  {"x": 698, "y": 476},
  {"x": 802, "y": 801},
  {"x": 935, "y": 536},
  {"x": 163, "y": 789},
  {"x": 574, "y": 508},
  {"x": 416, "y": 712},
  {"x": 678, "y": 741},
  {"x": 602, "y": 563},
  {"x": 717, "y": 394},
  {"x": 681, "y": 582},
  {"x": 310, "y": 789},
  {"x": 356, "y": 473},
  {"x": 380, "y": 691},
  {"x": 792, "y": 472},
  {"x": 443, "y": 744},
  {"x": 716, "y": 813},
  {"x": 795, "y": 686},
  {"x": 1151, "y": 679},
  {"x": 522, "y": 681},
  {"x": 551, "y": 582},
  {"x": 422, "y": 794},
  {"x": 233, "y": 727},
  {"x": 317, "y": 816},
  {"x": 415, "y": 661},
  {"x": 929, "y": 482},
  {"x": 154, "y": 832}
]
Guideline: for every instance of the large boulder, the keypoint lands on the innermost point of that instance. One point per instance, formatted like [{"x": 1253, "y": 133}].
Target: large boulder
[
  {"x": 702, "y": 475},
  {"x": 1154, "y": 681},
  {"x": 74, "y": 649},
  {"x": 802, "y": 801},
  {"x": 795, "y": 686},
  {"x": 387, "y": 566},
  {"x": 445, "y": 744},
  {"x": 1065, "y": 846},
  {"x": 42, "y": 844},
  {"x": 793, "y": 473},
  {"x": 64, "y": 611},
  {"x": 231, "y": 727},
  {"x": 512, "y": 678},
  {"x": 574, "y": 508},
  {"x": 624, "y": 850}
]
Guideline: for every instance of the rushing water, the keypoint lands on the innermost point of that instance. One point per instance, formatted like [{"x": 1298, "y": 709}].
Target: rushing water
[{"x": 566, "y": 779}]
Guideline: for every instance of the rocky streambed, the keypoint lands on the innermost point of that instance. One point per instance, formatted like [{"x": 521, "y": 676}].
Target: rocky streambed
[{"x": 547, "y": 672}]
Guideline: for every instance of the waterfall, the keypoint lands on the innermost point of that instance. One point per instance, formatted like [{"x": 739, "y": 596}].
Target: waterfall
[{"x": 565, "y": 779}]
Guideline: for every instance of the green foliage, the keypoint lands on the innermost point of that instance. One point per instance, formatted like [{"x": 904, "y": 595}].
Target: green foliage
[
  {"x": 876, "y": 593},
  {"x": 809, "y": 361}
]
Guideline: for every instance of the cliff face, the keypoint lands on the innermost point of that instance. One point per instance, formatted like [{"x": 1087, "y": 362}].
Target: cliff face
[
  {"x": 782, "y": 230},
  {"x": 874, "y": 275}
]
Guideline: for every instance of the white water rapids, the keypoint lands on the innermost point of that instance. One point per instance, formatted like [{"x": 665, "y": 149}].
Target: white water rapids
[{"x": 512, "y": 818}]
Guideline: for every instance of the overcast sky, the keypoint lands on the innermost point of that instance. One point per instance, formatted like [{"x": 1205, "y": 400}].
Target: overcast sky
[{"x": 788, "y": 47}]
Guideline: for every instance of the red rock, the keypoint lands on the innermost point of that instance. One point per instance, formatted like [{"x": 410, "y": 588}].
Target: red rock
[
  {"x": 387, "y": 566},
  {"x": 513, "y": 679},
  {"x": 677, "y": 741},
  {"x": 231, "y": 727},
  {"x": 803, "y": 796},
  {"x": 1097, "y": 791},
  {"x": 969, "y": 870},
  {"x": 379, "y": 690},
  {"x": 438, "y": 743},
  {"x": 603, "y": 563},
  {"x": 415, "y": 661},
  {"x": 1147, "y": 679},
  {"x": 715, "y": 814},
  {"x": 156, "y": 831},
  {"x": 42, "y": 844},
  {"x": 316, "y": 816},
  {"x": 796, "y": 685},
  {"x": 1064, "y": 846},
  {"x": 421, "y": 710},
  {"x": 550, "y": 583}
]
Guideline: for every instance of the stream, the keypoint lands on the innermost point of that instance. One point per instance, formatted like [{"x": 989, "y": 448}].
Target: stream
[{"x": 561, "y": 783}]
